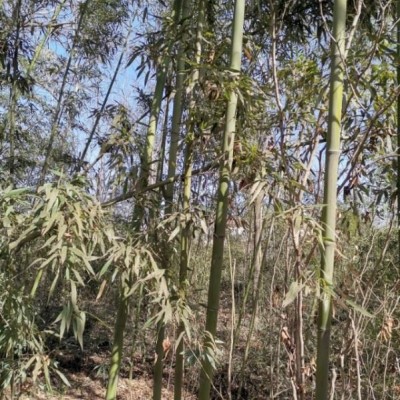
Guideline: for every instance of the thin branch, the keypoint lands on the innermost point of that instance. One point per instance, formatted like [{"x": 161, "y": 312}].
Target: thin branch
[{"x": 134, "y": 192}]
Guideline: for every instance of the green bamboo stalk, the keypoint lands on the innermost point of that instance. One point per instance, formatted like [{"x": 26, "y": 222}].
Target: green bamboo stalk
[
  {"x": 161, "y": 150},
  {"x": 116, "y": 352},
  {"x": 188, "y": 167},
  {"x": 172, "y": 160},
  {"x": 255, "y": 303},
  {"x": 158, "y": 367},
  {"x": 145, "y": 170},
  {"x": 153, "y": 122},
  {"x": 222, "y": 200},
  {"x": 138, "y": 214},
  {"x": 184, "y": 264},
  {"x": 177, "y": 107},
  {"x": 330, "y": 198},
  {"x": 123, "y": 302}
]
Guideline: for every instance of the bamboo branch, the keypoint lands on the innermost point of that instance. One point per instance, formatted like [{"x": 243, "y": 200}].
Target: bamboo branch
[{"x": 136, "y": 192}]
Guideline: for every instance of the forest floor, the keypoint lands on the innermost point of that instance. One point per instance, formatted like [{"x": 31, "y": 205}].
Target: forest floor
[
  {"x": 85, "y": 387},
  {"x": 86, "y": 370},
  {"x": 87, "y": 379}
]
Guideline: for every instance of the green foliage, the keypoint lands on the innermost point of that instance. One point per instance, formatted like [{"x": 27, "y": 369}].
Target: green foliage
[
  {"x": 210, "y": 353},
  {"x": 66, "y": 236},
  {"x": 103, "y": 27}
]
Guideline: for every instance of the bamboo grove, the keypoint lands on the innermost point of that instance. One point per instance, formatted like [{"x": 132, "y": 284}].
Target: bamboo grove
[{"x": 199, "y": 199}]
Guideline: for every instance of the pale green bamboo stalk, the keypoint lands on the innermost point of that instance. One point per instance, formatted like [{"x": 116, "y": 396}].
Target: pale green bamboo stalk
[
  {"x": 177, "y": 108},
  {"x": 123, "y": 302},
  {"x": 118, "y": 343},
  {"x": 169, "y": 189},
  {"x": 160, "y": 166},
  {"x": 138, "y": 214},
  {"x": 185, "y": 235},
  {"x": 330, "y": 197},
  {"x": 222, "y": 200},
  {"x": 184, "y": 264}
]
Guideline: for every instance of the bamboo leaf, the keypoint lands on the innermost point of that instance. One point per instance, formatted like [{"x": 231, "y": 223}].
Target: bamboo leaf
[
  {"x": 294, "y": 289},
  {"x": 80, "y": 327},
  {"x": 359, "y": 309},
  {"x": 204, "y": 226},
  {"x": 62, "y": 377},
  {"x": 174, "y": 233},
  {"x": 105, "y": 267},
  {"x": 15, "y": 193},
  {"x": 101, "y": 290},
  {"x": 73, "y": 295},
  {"x": 78, "y": 277},
  {"x": 63, "y": 256}
]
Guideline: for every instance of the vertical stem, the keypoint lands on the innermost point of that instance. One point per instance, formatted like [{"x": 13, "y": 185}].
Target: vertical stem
[
  {"x": 138, "y": 214},
  {"x": 184, "y": 263},
  {"x": 185, "y": 236},
  {"x": 222, "y": 201},
  {"x": 147, "y": 155},
  {"x": 298, "y": 331},
  {"x": 161, "y": 149},
  {"x": 172, "y": 160},
  {"x": 255, "y": 306},
  {"x": 258, "y": 225},
  {"x": 116, "y": 354},
  {"x": 177, "y": 108},
  {"x": 145, "y": 174},
  {"x": 330, "y": 197}
]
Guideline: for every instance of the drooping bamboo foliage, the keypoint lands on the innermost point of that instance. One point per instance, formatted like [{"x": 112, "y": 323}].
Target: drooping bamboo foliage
[
  {"x": 222, "y": 200},
  {"x": 330, "y": 197}
]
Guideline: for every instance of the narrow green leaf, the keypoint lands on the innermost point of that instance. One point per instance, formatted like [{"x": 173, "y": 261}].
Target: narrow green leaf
[
  {"x": 294, "y": 289},
  {"x": 359, "y": 309},
  {"x": 174, "y": 233},
  {"x": 62, "y": 377}
]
